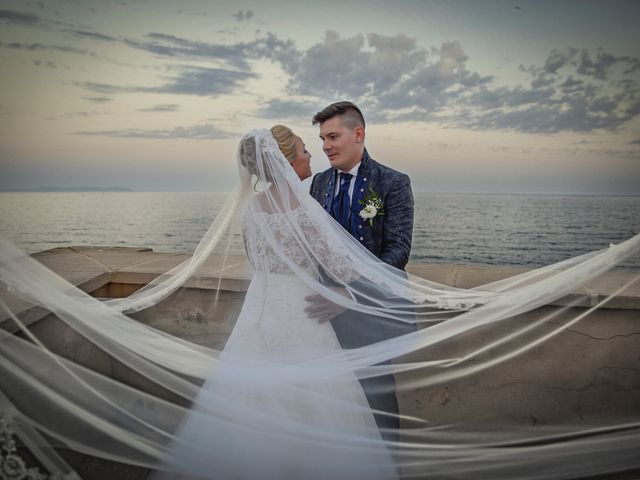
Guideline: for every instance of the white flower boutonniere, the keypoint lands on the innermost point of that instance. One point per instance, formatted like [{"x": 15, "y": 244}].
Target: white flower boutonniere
[{"x": 372, "y": 206}]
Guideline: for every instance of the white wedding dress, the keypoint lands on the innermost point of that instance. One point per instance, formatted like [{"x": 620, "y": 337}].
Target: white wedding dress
[{"x": 296, "y": 436}]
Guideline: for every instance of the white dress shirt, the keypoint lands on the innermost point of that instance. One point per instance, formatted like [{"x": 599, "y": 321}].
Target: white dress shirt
[{"x": 354, "y": 173}]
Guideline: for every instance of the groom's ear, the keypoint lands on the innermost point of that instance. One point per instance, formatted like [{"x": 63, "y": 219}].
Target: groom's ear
[{"x": 359, "y": 133}]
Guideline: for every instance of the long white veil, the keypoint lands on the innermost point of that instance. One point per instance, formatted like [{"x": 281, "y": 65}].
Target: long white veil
[{"x": 460, "y": 336}]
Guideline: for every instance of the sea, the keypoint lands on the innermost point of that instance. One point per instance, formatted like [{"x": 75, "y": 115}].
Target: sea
[{"x": 495, "y": 229}]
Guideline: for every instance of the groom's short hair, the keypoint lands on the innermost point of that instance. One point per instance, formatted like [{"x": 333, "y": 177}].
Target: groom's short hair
[{"x": 350, "y": 115}]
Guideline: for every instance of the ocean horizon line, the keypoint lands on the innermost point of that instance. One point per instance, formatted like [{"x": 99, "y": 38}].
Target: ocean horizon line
[{"x": 120, "y": 189}]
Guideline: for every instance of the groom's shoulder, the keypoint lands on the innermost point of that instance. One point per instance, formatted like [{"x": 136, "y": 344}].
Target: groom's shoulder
[
  {"x": 322, "y": 176},
  {"x": 324, "y": 173},
  {"x": 384, "y": 170},
  {"x": 319, "y": 179}
]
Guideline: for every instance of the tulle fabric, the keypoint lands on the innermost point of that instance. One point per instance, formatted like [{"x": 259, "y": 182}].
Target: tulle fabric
[
  {"x": 285, "y": 399},
  {"x": 297, "y": 419}
]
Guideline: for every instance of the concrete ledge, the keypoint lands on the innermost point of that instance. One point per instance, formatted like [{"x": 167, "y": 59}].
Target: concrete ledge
[
  {"x": 582, "y": 374},
  {"x": 587, "y": 295},
  {"x": 117, "y": 271}
]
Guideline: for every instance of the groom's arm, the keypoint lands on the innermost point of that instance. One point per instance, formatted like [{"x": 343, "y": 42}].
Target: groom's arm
[{"x": 398, "y": 223}]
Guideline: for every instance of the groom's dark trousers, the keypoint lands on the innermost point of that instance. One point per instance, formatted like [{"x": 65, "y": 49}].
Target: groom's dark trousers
[{"x": 389, "y": 239}]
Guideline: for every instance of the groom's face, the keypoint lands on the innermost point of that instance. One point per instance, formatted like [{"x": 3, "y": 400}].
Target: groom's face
[{"x": 342, "y": 145}]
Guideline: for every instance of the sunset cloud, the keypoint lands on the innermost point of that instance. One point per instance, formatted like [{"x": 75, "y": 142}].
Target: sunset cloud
[{"x": 195, "y": 132}]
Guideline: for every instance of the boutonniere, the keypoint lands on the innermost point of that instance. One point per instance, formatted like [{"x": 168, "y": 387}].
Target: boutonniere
[{"x": 372, "y": 204}]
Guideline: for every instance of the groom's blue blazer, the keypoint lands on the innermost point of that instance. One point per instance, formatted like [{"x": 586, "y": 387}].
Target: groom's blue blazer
[{"x": 389, "y": 238}]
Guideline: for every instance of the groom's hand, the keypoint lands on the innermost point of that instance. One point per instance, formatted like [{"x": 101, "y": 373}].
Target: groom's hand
[{"x": 323, "y": 310}]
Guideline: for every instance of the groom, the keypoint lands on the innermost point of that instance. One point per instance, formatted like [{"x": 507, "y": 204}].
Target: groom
[{"x": 355, "y": 177}]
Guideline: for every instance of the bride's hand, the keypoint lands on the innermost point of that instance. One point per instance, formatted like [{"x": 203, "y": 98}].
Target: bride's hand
[{"x": 323, "y": 310}]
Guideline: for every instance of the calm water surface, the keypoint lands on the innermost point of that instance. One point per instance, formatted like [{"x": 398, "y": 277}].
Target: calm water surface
[{"x": 489, "y": 229}]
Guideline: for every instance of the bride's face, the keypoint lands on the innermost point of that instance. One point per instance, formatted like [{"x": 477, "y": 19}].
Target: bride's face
[{"x": 302, "y": 163}]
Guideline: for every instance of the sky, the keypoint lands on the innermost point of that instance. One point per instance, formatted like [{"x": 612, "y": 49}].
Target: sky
[{"x": 489, "y": 96}]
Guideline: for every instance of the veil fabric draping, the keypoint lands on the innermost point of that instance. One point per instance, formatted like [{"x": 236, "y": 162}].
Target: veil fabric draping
[{"x": 281, "y": 398}]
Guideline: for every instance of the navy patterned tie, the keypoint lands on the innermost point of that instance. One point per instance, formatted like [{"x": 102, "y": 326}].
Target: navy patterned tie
[{"x": 341, "y": 208}]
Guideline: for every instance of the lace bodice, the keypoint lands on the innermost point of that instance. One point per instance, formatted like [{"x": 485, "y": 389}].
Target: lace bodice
[{"x": 276, "y": 240}]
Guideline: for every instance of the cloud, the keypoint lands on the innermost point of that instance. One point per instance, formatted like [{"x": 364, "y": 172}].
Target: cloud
[
  {"x": 571, "y": 85},
  {"x": 167, "y": 107},
  {"x": 556, "y": 99},
  {"x": 634, "y": 109},
  {"x": 434, "y": 88},
  {"x": 391, "y": 77},
  {"x": 202, "y": 81},
  {"x": 190, "y": 80},
  {"x": 40, "y": 47},
  {"x": 447, "y": 72},
  {"x": 388, "y": 75},
  {"x": 588, "y": 142},
  {"x": 192, "y": 14},
  {"x": 103, "y": 88},
  {"x": 286, "y": 109},
  {"x": 635, "y": 142},
  {"x": 397, "y": 80},
  {"x": 76, "y": 115},
  {"x": 340, "y": 67},
  {"x": 542, "y": 80},
  {"x": 269, "y": 46},
  {"x": 576, "y": 115},
  {"x": 242, "y": 15},
  {"x": 492, "y": 98},
  {"x": 98, "y": 99},
  {"x": 18, "y": 18},
  {"x": 196, "y": 132},
  {"x": 603, "y": 64},
  {"x": 335, "y": 67},
  {"x": 598, "y": 65},
  {"x": 164, "y": 37},
  {"x": 557, "y": 59},
  {"x": 93, "y": 35},
  {"x": 236, "y": 55},
  {"x": 176, "y": 47},
  {"x": 580, "y": 93},
  {"x": 48, "y": 64}
]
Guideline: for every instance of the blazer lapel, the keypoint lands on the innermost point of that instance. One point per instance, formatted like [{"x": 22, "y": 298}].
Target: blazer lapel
[
  {"x": 360, "y": 190},
  {"x": 327, "y": 199}
]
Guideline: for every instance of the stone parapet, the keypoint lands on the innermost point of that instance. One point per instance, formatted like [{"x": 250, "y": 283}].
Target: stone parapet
[
  {"x": 584, "y": 373},
  {"x": 114, "y": 272}
]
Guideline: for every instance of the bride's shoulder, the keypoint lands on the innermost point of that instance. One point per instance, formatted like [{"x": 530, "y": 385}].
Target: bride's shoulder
[{"x": 268, "y": 203}]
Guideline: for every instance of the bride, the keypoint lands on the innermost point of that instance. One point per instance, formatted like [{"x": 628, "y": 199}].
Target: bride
[
  {"x": 282, "y": 399},
  {"x": 273, "y": 328}
]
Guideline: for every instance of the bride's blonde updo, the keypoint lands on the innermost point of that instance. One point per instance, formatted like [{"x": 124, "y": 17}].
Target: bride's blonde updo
[
  {"x": 284, "y": 137},
  {"x": 286, "y": 141}
]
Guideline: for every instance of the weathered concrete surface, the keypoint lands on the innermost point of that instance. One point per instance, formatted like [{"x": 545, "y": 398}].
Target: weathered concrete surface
[
  {"x": 584, "y": 373},
  {"x": 114, "y": 272},
  {"x": 469, "y": 276}
]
